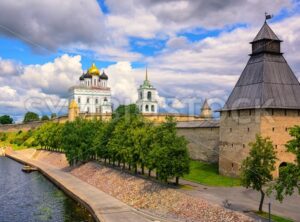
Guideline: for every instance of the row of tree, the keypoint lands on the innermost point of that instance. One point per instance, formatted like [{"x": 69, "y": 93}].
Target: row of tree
[
  {"x": 257, "y": 169},
  {"x": 31, "y": 117},
  {"x": 28, "y": 117},
  {"x": 128, "y": 141}
]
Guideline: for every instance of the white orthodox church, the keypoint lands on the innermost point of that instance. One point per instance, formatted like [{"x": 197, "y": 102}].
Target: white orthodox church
[
  {"x": 147, "y": 97},
  {"x": 92, "y": 95}
]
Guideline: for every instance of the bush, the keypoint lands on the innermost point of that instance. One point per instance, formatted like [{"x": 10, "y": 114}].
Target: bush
[{"x": 3, "y": 137}]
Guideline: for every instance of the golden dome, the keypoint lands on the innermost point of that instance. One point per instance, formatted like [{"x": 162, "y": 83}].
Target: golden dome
[{"x": 93, "y": 70}]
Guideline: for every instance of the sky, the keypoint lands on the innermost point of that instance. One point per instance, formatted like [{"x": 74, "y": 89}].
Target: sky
[{"x": 194, "y": 50}]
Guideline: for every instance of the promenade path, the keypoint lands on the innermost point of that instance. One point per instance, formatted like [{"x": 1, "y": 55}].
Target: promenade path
[
  {"x": 245, "y": 200},
  {"x": 103, "y": 206}
]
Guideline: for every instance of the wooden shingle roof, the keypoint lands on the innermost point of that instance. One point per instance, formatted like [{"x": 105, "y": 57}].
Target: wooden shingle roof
[
  {"x": 266, "y": 82},
  {"x": 266, "y": 33}
]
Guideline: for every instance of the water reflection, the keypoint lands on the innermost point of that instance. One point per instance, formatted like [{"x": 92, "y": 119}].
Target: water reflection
[{"x": 31, "y": 197}]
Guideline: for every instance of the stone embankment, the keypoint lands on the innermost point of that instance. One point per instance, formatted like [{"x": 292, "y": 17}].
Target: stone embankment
[{"x": 146, "y": 196}]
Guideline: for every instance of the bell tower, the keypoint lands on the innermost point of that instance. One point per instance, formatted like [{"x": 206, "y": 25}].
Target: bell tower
[{"x": 147, "y": 97}]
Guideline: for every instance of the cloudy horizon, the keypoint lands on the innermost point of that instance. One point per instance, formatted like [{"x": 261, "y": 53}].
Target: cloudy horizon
[{"x": 193, "y": 49}]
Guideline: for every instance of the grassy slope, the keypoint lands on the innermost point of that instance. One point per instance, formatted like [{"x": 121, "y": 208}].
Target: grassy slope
[
  {"x": 11, "y": 136},
  {"x": 274, "y": 218},
  {"x": 207, "y": 174}
]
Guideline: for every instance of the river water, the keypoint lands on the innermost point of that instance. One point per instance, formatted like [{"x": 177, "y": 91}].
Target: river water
[{"x": 31, "y": 197}]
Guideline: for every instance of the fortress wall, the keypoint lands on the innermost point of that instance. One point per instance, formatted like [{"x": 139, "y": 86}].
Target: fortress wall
[
  {"x": 277, "y": 127},
  {"x": 237, "y": 130},
  {"x": 203, "y": 143},
  {"x": 20, "y": 126}
]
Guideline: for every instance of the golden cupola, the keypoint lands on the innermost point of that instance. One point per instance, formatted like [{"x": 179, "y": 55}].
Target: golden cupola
[{"x": 93, "y": 70}]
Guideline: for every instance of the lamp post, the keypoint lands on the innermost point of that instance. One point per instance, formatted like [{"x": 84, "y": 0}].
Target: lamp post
[{"x": 270, "y": 201}]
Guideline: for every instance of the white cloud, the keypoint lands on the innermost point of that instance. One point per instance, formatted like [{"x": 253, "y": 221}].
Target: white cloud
[
  {"x": 177, "y": 104},
  {"x": 48, "y": 25}
]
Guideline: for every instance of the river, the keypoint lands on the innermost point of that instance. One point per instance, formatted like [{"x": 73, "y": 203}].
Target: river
[{"x": 32, "y": 197}]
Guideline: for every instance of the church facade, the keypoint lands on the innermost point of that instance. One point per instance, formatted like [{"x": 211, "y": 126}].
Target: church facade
[{"x": 92, "y": 95}]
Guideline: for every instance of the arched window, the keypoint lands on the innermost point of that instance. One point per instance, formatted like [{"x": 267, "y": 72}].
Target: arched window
[
  {"x": 88, "y": 100},
  {"x": 149, "y": 95},
  {"x": 152, "y": 108},
  {"x": 96, "y": 101},
  {"x": 141, "y": 95},
  {"x": 147, "y": 108},
  {"x": 282, "y": 166},
  {"x": 95, "y": 82}
]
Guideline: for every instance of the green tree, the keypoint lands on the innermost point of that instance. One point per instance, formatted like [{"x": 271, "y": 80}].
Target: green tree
[
  {"x": 77, "y": 140},
  {"x": 289, "y": 177},
  {"x": 53, "y": 115},
  {"x": 30, "y": 117},
  {"x": 170, "y": 152},
  {"x": 126, "y": 111},
  {"x": 6, "y": 119},
  {"x": 48, "y": 136},
  {"x": 256, "y": 169},
  {"x": 45, "y": 118}
]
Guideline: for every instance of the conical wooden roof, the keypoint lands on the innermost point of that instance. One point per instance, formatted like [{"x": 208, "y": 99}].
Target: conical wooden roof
[{"x": 266, "y": 82}]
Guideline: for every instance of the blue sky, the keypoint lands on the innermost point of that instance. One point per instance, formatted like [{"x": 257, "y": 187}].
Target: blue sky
[{"x": 189, "y": 46}]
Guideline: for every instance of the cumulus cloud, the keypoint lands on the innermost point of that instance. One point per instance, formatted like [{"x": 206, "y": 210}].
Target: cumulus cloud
[
  {"x": 152, "y": 18},
  {"x": 47, "y": 25}
]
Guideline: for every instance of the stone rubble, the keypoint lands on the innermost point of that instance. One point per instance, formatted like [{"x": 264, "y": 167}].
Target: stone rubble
[{"x": 153, "y": 197}]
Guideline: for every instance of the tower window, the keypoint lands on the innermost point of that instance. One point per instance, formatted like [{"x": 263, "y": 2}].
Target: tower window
[
  {"x": 78, "y": 99},
  {"x": 273, "y": 129},
  {"x": 248, "y": 129},
  {"x": 230, "y": 130},
  {"x": 141, "y": 95},
  {"x": 88, "y": 100},
  {"x": 96, "y": 101},
  {"x": 244, "y": 146},
  {"x": 147, "y": 108},
  {"x": 95, "y": 82},
  {"x": 149, "y": 96},
  {"x": 88, "y": 109},
  {"x": 152, "y": 108}
]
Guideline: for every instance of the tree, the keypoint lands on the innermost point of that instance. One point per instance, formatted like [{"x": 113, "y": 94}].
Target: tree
[
  {"x": 6, "y": 119},
  {"x": 256, "y": 169},
  {"x": 30, "y": 117},
  {"x": 289, "y": 177},
  {"x": 45, "y": 118},
  {"x": 53, "y": 115},
  {"x": 170, "y": 152},
  {"x": 126, "y": 111}
]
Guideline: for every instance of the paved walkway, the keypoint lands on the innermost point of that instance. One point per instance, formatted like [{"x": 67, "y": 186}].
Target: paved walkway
[
  {"x": 103, "y": 206},
  {"x": 245, "y": 200}
]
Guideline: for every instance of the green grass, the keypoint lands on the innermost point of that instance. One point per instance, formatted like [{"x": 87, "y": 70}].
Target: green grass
[
  {"x": 207, "y": 174},
  {"x": 13, "y": 135},
  {"x": 274, "y": 218}
]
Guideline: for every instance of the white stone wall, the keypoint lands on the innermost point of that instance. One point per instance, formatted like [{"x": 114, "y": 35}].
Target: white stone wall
[{"x": 91, "y": 100}]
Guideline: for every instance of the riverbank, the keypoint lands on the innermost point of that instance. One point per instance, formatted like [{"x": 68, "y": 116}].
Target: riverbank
[
  {"x": 102, "y": 206},
  {"x": 148, "y": 196}
]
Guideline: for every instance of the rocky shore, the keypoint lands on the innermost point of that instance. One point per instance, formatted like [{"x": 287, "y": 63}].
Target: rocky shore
[
  {"x": 140, "y": 193},
  {"x": 151, "y": 196}
]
